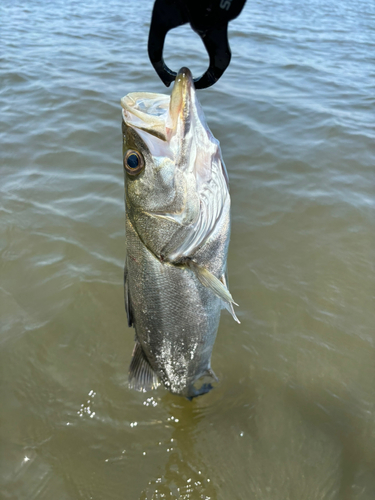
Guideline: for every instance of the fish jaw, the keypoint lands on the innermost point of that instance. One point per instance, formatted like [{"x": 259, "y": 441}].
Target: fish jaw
[
  {"x": 193, "y": 145},
  {"x": 197, "y": 154},
  {"x": 181, "y": 100}
]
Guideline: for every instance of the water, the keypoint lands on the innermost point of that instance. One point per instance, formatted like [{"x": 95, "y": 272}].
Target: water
[{"x": 293, "y": 416}]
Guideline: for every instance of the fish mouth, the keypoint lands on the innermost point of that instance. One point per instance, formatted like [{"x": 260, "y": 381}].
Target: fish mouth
[
  {"x": 181, "y": 98},
  {"x": 160, "y": 114},
  {"x": 146, "y": 111}
]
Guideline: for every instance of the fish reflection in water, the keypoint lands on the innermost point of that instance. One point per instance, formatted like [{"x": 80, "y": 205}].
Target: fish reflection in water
[{"x": 177, "y": 236}]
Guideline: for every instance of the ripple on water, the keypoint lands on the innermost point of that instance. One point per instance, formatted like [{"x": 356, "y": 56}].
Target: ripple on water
[{"x": 293, "y": 411}]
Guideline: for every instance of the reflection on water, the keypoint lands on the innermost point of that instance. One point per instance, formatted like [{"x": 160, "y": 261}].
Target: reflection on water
[
  {"x": 186, "y": 474},
  {"x": 293, "y": 414}
]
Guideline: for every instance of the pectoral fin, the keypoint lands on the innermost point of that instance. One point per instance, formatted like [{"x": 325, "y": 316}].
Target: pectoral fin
[
  {"x": 218, "y": 287},
  {"x": 141, "y": 376},
  {"x": 229, "y": 305}
]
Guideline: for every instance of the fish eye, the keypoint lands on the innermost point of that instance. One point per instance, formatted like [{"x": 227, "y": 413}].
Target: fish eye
[{"x": 133, "y": 162}]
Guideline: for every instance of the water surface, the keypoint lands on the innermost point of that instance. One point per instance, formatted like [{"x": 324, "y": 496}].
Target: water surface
[{"x": 293, "y": 416}]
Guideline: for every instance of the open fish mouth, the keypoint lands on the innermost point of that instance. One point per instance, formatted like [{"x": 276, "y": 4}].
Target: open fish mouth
[
  {"x": 159, "y": 114},
  {"x": 175, "y": 126},
  {"x": 146, "y": 111}
]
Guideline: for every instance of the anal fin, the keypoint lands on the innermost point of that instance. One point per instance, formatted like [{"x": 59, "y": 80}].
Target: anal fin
[{"x": 141, "y": 376}]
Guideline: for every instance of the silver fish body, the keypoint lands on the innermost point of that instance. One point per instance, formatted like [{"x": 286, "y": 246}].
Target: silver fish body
[{"x": 177, "y": 235}]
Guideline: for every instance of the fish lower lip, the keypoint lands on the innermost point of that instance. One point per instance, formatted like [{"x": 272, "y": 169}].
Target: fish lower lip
[
  {"x": 180, "y": 99},
  {"x": 185, "y": 73},
  {"x": 184, "y": 78}
]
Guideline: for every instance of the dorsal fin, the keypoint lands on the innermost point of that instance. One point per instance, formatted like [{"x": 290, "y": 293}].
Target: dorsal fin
[{"x": 141, "y": 376}]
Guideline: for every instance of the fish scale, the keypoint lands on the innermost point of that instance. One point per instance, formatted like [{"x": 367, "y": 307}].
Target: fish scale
[{"x": 175, "y": 314}]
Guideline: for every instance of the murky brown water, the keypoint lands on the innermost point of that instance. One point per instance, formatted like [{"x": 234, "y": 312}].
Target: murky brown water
[{"x": 293, "y": 416}]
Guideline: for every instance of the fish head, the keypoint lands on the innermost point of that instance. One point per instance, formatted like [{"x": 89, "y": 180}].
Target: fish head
[
  {"x": 175, "y": 180},
  {"x": 148, "y": 161}
]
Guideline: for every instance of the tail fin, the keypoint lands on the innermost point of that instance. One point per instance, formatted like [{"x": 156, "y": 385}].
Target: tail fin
[{"x": 194, "y": 393}]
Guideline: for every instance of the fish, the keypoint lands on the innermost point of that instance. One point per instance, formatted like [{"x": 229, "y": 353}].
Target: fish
[{"x": 177, "y": 230}]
